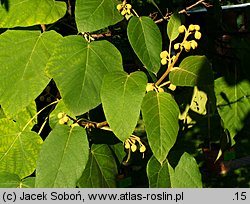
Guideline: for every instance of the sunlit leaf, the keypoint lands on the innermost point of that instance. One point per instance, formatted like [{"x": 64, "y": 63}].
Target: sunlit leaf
[
  {"x": 78, "y": 69},
  {"x": 17, "y": 13},
  {"x": 146, "y": 41},
  {"x": 95, "y": 15},
  {"x": 63, "y": 158},
  {"x": 160, "y": 113},
  {"x": 173, "y": 25},
  {"x": 158, "y": 175},
  {"x": 186, "y": 174},
  {"x": 233, "y": 104},
  {"x": 23, "y": 58},
  {"x": 101, "y": 169},
  {"x": 193, "y": 71},
  {"x": 122, "y": 96}
]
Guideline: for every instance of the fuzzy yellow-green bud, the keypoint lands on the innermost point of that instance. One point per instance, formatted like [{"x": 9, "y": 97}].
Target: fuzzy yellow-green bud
[
  {"x": 150, "y": 87},
  {"x": 74, "y": 125},
  {"x": 61, "y": 121},
  {"x": 119, "y": 7},
  {"x": 124, "y": 11},
  {"x": 176, "y": 46},
  {"x": 60, "y": 115},
  {"x": 172, "y": 87},
  {"x": 197, "y": 35},
  {"x": 191, "y": 27},
  {"x": 133, "y": 147},
  {"x": 142, "y": 148},
  {"x": 181, "y": 29},
  {"x": 164, "y": 54},
  {"x": 128, "y": 6},
  {"x": 194, "y": 44},
  {"x": 187, "y": 46},
  {"x": 160, "y": 89},
  {"x": 65, "y": 119},
  {"x": 127, "y": 145},
  {"x": 197, "y": 27},
  {"x": 164, "y": 61}
]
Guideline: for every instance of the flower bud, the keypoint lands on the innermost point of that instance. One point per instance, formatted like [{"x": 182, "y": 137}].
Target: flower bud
[
  {"x": 142, "y": 148},
  {"x": 181, "y": 29},
  {"x": 164, "y": 61},
  {"x": 197, "y": 27},
  {"x": 127, "y": 145},
  {"x": 176, "y": 46},
  {"x": 194, "y": 44},
  {"x": 197, "y": 35},
  {"x": 119, "y": 7},
  {"x": 133, "y": 147},
  {"x": 60, "y": 115},
  {"x": 187, "y": 46},
  {"x": 191, "y": 27},
  {"x": 164, "y": 54}
]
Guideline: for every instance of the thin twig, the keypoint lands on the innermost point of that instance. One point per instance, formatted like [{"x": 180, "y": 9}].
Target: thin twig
[{"x": 192, "y": 6}]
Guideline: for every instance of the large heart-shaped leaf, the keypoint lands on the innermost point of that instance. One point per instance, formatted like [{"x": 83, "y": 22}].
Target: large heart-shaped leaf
[
  {"x": 63, "y": 157},
  {"x": 95, "y": 15},
  {"x": 233, "y": 104},
  {"x": 145, "y": 39},
  {"x": 173, "y": 25},
  {"x": 160, "y": 113},
  {"x": 78, "y": 69},
  {"x": 19, "y": 149},
  {"x": 158, "y": 174},
  {"x": 122, "y": 96},
  {"x": 193, "y": 71},
  {"x": 186, "y": 174},
  {"x": 101, "y": 169},
  {"x": 24, "y": 55},
  {"x": 17, "y": 13}
]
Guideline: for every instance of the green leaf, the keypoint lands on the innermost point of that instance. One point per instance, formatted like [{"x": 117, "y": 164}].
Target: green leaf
[
  {"x": 186, "y": 174},
  {"x": 78, "y": 69},
  {"x": 122, "y": 96},
  {"x": 160, "y": 113},
  {"x": 24, "y": 55},
  {"x": 19, "y": 149},
  {"x": 63, "y": 158},
  {"x": 118, "y": 150},
  {"x": 193, "y": 71},
  {"x": 95, "y": 15},
  {"x": 2, "y": 114},
  {"x": 28, "y": 182},
  {"x": 25, "y": 116},
  {"x": 9, "y": 180},
  {"x": 101, "y": 169},
  {"x": 173, "y": 25},
  {"x": 145, "y": 39},
  {"x": 233, "y": 104},
  {"x": 19, "y": 13},
  {"x": 158, "y": 175}
]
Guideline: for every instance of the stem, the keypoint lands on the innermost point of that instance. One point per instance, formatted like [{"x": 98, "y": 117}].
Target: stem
[
  {"x": 168, "y": 69},
  {"x": 175, "y": 60},
  {"x": 55, "y": 102},
  {"x": 135, "y": 13}
]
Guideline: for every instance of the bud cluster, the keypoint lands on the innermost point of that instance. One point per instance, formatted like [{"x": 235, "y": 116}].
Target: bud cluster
[
  {"x": 63, "y": 118},
  {"x": 131, "y": 144},
  {"x": 187, "y": 45},
  {"x": 124, "y": 8}
]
